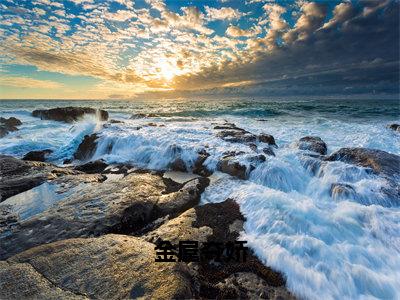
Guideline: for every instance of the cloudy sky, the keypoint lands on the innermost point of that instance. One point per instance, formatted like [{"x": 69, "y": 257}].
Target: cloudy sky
[{"x": 91, "y": 49}]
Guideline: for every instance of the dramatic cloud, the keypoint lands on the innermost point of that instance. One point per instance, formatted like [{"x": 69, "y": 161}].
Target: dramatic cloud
[{"x": 254, "y": 48}]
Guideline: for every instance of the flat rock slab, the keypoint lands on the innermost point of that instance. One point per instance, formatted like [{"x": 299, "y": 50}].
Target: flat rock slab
[
  {"x": 17, "y": 176},
  {"x": 108, "y": 267}
]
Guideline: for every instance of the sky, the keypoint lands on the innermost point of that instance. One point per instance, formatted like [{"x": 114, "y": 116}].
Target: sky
[{"x": 130, "y": 49}]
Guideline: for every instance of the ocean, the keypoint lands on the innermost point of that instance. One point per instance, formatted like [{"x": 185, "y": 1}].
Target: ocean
[{"x": 327, "y": 247}]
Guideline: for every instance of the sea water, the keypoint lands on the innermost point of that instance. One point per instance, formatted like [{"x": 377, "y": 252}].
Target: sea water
[{"x": 326, "y": 247}]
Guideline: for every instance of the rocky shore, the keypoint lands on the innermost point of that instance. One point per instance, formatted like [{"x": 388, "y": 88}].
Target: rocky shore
[{"x": 95, "y": 235}]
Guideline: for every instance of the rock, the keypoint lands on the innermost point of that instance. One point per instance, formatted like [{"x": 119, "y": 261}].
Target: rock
[
  {"x": 234, "y": 168},
  {"x": 395, "y": 127},
  {"x": 10, "y": 122},
  {"x": 178, "y": 165},
  {"x": 269, "y": 151},
  {"x": 107, "y": 267},
  {"x": 95, "y": 208},
  {"x": 382, "y": 163},
  {"x": 231, "y": 133},
  {"x": 199, "y": 167},
  {"x": 112, "y": 121},
  {"x": 40, "y": 155},
  {"x": 8, "y": 125},
  {"x": 226, "y": 223},
  {"x": 342, "y": 191},
  {"x": 379, "y": 161},
  {"x": 69, "y": 114},
  {"x": 87, "y": 147},
  {"x": 235, "y": 136},
  {"x": 312, "y": 143},
  {"x": 17, "y": 176},
  {"x": 246, "y": 285},
  {"x": 253, "y": 147},
  {"x": 267, "y": 138},
  {"x": 220, "y": 222},
  {"x": 257, "y": 158},
  {"x": 93, "y": 167}
]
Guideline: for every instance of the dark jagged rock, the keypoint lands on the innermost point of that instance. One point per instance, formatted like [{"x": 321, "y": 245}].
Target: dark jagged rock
[
  {"x": 39, "y": 155},
  {"x": 92, "y": 207},
  {"x": 267, "y": 138},
  {"x": 112, "y": 121},
  {"x": 253, "y": 147},
  {"x": 395, "y": 127},
  {"x": 257, "y": 158},
  {"x": 199, "y": 167},
  {"x": 178, "y": 165},
  {"x": 69, "y": 114},
  {"x": 312, "y": 143},
  {"x": 8, "y": 125},
  {"x": 87, "y": 147},
  {"x": 11, "y": 122},
  {"x": 342, "y": 191},
  {"x": 269, "y": 151},
  {"x": 92, "y": 167}
]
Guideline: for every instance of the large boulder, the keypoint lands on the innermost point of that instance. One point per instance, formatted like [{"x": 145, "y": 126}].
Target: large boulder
[
  {"x": 11, "y": 122},
  {"x": 382, "y": 163},
  {"x": 89, "y": 207},
  {"x": 8, "y": 125},
  {"x": 69, "y": 114},
  {"x": 107, "y": 267},
  {"x": 312, "y": 143},
  {"x": 39, "y": 155},
  {"x": 379, "y": 161},
  {"x": 87, "y": 147}
]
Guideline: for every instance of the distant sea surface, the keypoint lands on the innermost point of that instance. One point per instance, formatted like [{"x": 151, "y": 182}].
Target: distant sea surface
[{"x": 327, "y": 248}]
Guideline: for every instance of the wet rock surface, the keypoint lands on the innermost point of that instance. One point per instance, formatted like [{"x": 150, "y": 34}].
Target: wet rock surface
[
  {"x": 382, "y": 163},
  {"x": 379, "y": 161},
  {"x": 18, "y": 176},
  {"x": 8, "y": 125},
  {"x": 87, "y": 147},
  {"x": 39, "y": 155},
  {"x": 230, "y": 166},
  {"x": 312, "y": 143},
  {"x": 92, "y": 167},
  {"x": 108, "y": 267},
  {"x": 69, "y": 114},
  {"x": 96, "y": 207}
]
